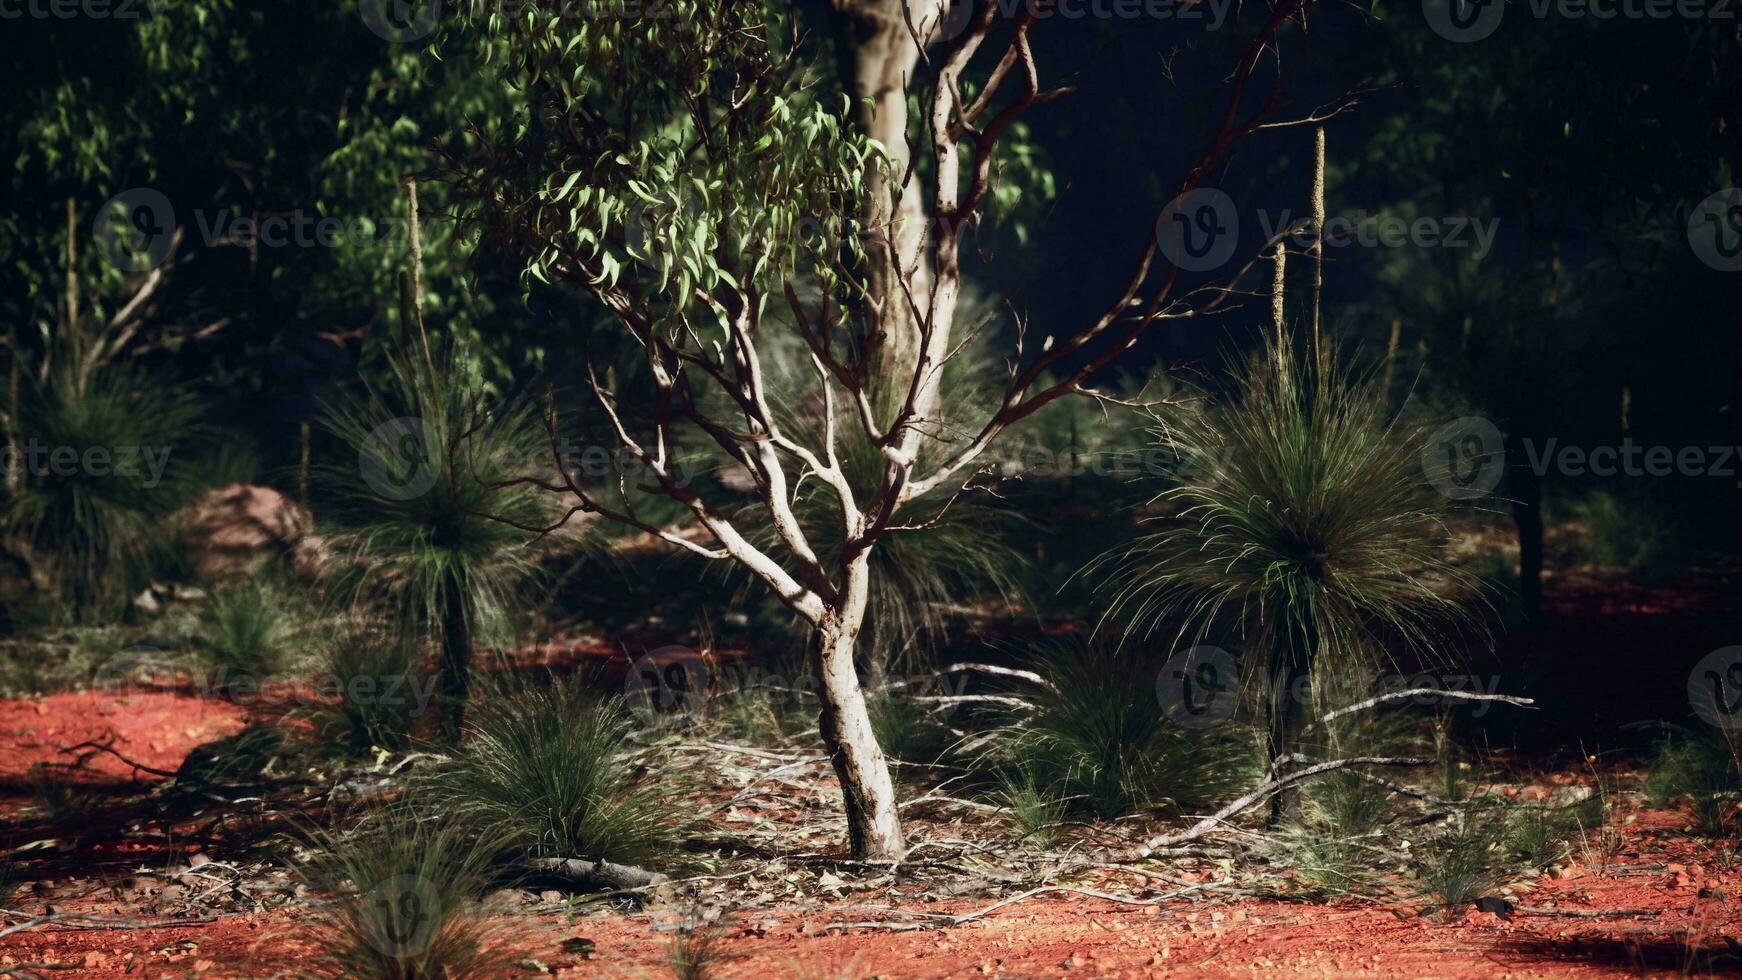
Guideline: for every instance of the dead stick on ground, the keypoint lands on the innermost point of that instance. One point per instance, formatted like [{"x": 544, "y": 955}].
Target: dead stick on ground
[
  {"x": 1255, "y": 797},
  {"x": 1588, "y": 914},
  {"x": 945, "y": 922}
]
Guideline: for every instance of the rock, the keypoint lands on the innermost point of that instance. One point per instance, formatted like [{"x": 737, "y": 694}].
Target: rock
[{"x": 232, "y": 531}]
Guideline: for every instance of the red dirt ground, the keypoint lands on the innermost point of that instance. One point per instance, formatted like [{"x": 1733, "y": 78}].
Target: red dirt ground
[{"x": 1656, "y": 867}]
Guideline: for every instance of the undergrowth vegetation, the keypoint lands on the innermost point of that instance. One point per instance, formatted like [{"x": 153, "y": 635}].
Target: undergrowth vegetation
[
  {"x": 406, "y": 890},
  {"x": 543, "y": 772}
]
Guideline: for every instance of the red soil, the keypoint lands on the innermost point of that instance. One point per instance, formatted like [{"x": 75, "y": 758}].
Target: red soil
[{"x": 1655, "y": 867}]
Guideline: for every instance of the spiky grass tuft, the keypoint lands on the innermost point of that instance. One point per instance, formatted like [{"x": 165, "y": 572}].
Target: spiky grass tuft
[
  {"x": 434, "y": 521},
  {"x": 406, "y": 904},
  {"x": 542, "y": 772},
  {"x": 90, "y": 528},
  {"x": 245, "y": 635},
  {"x": 1705, "y": 769},
  {"x": 379, "y": 693},
  {"x": 1100, "y": 739},
  {"x": 1465, "y": 864}
]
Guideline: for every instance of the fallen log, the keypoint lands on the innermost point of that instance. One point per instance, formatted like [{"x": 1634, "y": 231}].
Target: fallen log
[{"x": 583, "y": 874}]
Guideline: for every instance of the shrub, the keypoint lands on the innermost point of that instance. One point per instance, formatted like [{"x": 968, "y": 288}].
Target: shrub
[
  {"x": 542, "y": 773},
  {"x": 1465, "y": 864},
  {"x": 245, "y": 634},
  {"x": 379, "y": 693},
  {"x": 1704, "y": 768},
  {"x": 89, "y": 527},
  {"x": 1621, "y": 534},
  {"x": 905, "y": 730},
  {"x": 1104, "y": 744},
  {"x": 1036, "y": 808},
  {"x": 1538, "y": 836},
  {"x": 406, "y": 906}
]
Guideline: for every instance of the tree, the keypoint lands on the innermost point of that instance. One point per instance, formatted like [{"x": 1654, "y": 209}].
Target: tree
[{"x": 678, "y": 166}]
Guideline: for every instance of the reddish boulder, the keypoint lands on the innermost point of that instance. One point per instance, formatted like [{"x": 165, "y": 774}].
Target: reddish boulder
[{"x": 233, "y": 531}]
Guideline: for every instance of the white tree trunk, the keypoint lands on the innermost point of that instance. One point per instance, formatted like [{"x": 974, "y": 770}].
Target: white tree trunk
[
  {"x": 873, "y": 827},
  {"x": 882, "y": 59}
]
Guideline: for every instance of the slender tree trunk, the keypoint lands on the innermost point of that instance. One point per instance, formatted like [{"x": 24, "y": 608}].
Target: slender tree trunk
[
  {"x": 1526, "y": 493},
  {"x": 879, "y": 59},
  {"x": 873, "y": 827},
  {"x": 1290, "y": 660},
  {"x": 456, "y": 660}
]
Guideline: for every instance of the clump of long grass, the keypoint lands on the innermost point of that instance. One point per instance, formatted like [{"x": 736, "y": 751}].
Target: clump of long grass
[
  {"x": 1100, "y": 740},
  {"x": 1538, "y": 836},
  {"x": 406, "y": 901},
  {"x": 1037, "y": 809},
  {"x": 1306, "y": 522},
  {"x": 543, "y": 772},
  {"x": 905, "y": 730},
  {"x": 88, "y": 527},
  {"x": 245, "y": 635},
  {"x": 1703, "y": 768},
  {"x": 1465, "y": 864},
  {"x": 376, "y": 693}
]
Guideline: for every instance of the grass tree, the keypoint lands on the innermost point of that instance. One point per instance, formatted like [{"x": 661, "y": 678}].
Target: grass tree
[
  {"x": 419, "y": 505},
  {"x": 1308, "y": 524},
  {"x": 678, "y": 165}
]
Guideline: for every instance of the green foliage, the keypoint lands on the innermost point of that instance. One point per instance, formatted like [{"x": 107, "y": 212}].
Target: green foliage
[
  {"x": 406, "y": 892},
  {"x": 380, "y": 694},
  {"x": 1036, "y": 807},
  {"x": 187, "y": 97},
  {"x": 1466, "y": 863},
  {"x": 246, "y": 634},
  {"x": 1621, "y": 534},
  {"x": 640, "y": 163},
  {"x": 1301, "y": 514},
  {"x": 1103, "y": 744},
  {"x": 541, "y": 773},
  {"x": 1704, "y": 768},
  {"x": 88, "y": 516},
  {"x": 1538, "y": 836},
  {"x": 905, "y": 730}
]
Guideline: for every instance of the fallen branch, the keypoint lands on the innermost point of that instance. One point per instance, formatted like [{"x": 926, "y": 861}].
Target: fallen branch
[
  {"x": 1027, "y": 675},
  {"x": 1587, "y": 914},
  {"x": 1255, "y": 797},
  {"x": 947, "y": 921},
  {"x": 1414, "y": 692},
  {"x": 584, "y": 874}
]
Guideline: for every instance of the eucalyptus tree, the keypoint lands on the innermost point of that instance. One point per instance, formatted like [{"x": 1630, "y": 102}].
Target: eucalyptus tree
[{"x": 677, "y": 164}]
